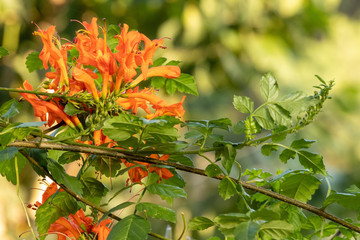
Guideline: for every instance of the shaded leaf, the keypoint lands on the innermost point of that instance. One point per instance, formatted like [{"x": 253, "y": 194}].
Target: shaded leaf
[
  {"x": 227, "y": 188},
  {"x": 116, "y": 208},
  {"x": 166, "y": 190},
  {"x": 131, "y": 227},
  {"x": 230, "y": 220},
  {"x": 246, "y": 231},
  {"x": 286, "y": 154},
  {"x": 213, "y": 170},
  {"x": 301, "y": 143},
  {"x": 94, "y": 190},
  {"x": 347, "y": 200},
  {"x": 312, "y": 161},
  {"x": 3, "y": 52},
  {"x": 265, "y": 214},
  {"x": 10, "y": 108},
  {"x": 267, "y": 149},
  {"x": 226, "y": 153},
  {"x": 7, "y": 163},
  {"x": 121, "y": 127},
  {"x": 68, "y": 157},
  {"x": 71, "y": 110}
]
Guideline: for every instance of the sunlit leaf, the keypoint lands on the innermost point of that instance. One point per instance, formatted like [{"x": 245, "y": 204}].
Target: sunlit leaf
[
  {"x": 33, "y": 62},
  {"x": 200, "y": 223},
  {"x": 246, "y": 231},
  {"x": 277, "y": 229},
  {"x": 227, "y": 188},
  {"x": 157, "y": 211},
  {"x": 269, "y": 88},
  {"x": 230, "y": 220},
  {"x": 166, "y": 190},
  {"x": 131, "y": 227},
  {"x": 243, "y": 104},
  {"x": 185, "y": 84}
]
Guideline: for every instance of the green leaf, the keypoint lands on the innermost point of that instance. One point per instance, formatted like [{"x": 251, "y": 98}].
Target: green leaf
[
  {"x": 116, "y": 208},
  {"x": 200, "y": 223},
  {"x": 269, "y": 88},
  {"x": 182, "y": 159},
  {"x": 158, "y": 82},
  {"x": 221, "y": 123},
  {"x": 301, "y": 143},
  {"x": 265, "y": 214},
  {"x": 226, "y": 153},
  {"x": 105, "y": 166},
  {"x": 213, "y": 170},
  {"x": 227, "y": 188},
  {"x": 296, "y": 103},
  {"x": 131, "y": 227},
  {"x": 158, "y": 62},
  {"x": 94, "y": 190},
  {"x": 166, "y": 190},
  {"x": 62, "y": 204},
  {"x": 157, "y": 211},
  {"x": 71, "y": 110},
  {"x": 10, "y": 108},
  {"x": 61, "y": 177},
  {"x": 239, "y": 127},
  {"x": 286, "y": 154},
  {"x": 159, "y": 133},
  {"x": 243, "y": 104},
  {"x": 300, "y": 186},
  {"x": 280, "y": 116},
  {"x": 230, "y": 220},
  {"x": 30, "y": 124},
  {"x": 277, "y": 229},
  {"x": 7, "y": 163},
  {"x": 312, "y": 161},
  {"x": 122, "y": 127},
  {"x": 246, "y": 231},
  {"x": 3, "y": 52},
  {"x": 68, "y": 157},
  {"x": 185, "y": 84},
  {"x": 33, "y": 62},
  {"x": 263, "y": 117},
  {"x": 347, "y": 200},
  {"x": 267, "y": 149}
]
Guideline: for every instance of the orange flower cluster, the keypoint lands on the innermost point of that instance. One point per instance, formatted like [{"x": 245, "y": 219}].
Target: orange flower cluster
[
  {"x": 75, "y": 225},
  {"x": 115, "y": 70}
]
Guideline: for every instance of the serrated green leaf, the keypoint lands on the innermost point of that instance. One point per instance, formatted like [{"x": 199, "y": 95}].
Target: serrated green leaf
[
  {"x": 185, "y": 84},
  {"x": 131, "y": 227},
  {"x": 347, "y": 200},
  {"x": 105, "y": 166},
  {"x": 116, "y": 208},
  {"x": 3, "y": 52},
  {"x": 166, "y": 190},
  {"x": 243, "y": 104},
  {"x": 280, "y": 116},
  {"x": 157, "y": 211},
  {"x": 68, "y": 157},
  {"x": 246, "y": 231},
  {"x": 10, "y": 108},
  {"x": 267, "y": 149},
  {"x": 264, "y": 118},
  {"x": 213, "y": 170},
  {"x": 122, "y": 127},
  {"x": 230, "y": 220},
  {"x": 226, "y": 153},
  {"x": 62, "y": 204},
  {"x": 159, "y": 134},
  {"x": 158, "y": 82},
  {"x": 269, "y": 88},
  {"x": 286, "y": 154},
  {"x": 221, "y": 123},
  {"x": 227, "y": 188},
  {"x": 94, "y": 190},
  {"x": 61, "y": 177},
  {"x": 33, "y": 62},
  {"x": 296, "y": 103},
  {"x": 71, "y": 110},
  {"x": 200, "y": 223},
  {"x": 277, "y": 229},
  {"x": 300, "y": 186},
  {"x": 312, "y": 161},
  {"x": 182, "y": 159},
  {"x": 265, "y": 214},
  {"x": 7, "y": 163},
  {"x": 301, "y": 143},
  {"x": 158, "y": 62}
]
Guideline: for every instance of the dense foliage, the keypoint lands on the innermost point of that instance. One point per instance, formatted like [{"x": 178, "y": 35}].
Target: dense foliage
[{"x": 100, "y": 108}]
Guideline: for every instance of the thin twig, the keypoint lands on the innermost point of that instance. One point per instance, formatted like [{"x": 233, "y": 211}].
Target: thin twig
[{"x": 118, "y": 156}]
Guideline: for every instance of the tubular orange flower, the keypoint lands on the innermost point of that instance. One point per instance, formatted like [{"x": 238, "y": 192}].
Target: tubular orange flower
[
  {"x": 47, "y": 111},
  {"x": 52, "y": 54},
  {"x": 82, "y": 76},
  {"x": 160, "y": 71},
  {"x": 102, "y": 230},
  {"x": 162, "y": 172}
]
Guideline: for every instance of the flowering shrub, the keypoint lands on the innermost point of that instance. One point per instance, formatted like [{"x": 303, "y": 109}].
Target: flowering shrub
[{"x": 99, "y": 105}]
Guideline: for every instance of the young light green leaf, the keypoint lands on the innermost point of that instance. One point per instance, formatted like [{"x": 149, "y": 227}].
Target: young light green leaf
[
  {"x": 166, "y": 190},
  {"x": 131, "y": 227},
  {"x": 301, "y": 143},
  {"x": 246, "y": 231},
  {"x": 230, "y": 220},
  {"x": 267, "y": 149},
  {"x": 269, "y": 88},
  {"x": 62, "y": 204},
  {"x": 277, "y": 229},
  {"x": 300, "y": 186},
  {"x": 33, "y": 62},
  {"x": 227, "y": 188},
  {"x": 122, "y": 127},
  {"x": 264, "y": 118},
  {"x": 157, "y": 211},
  {"x": 200, "y": 223},
  {"x": 185, "y": 84},
  {"x": 3, "y": 52},
  {"x": 280, "y": 116},
  {"x": 312, "y": 161},
  {"x": 296, "y": 103},
  {"x": 243, "y": 104}
]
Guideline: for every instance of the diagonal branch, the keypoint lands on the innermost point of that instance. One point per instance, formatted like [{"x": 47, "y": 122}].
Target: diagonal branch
[{"x": 117, "y": 155}]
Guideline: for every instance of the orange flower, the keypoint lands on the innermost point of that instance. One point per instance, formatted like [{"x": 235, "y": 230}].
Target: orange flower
[
  {"x": 53, "y": 55},
  {"x": 101, "y": 229},
  {"x": 83, "y": 76},
  {"x": 162, "y": 172},
  {"x": 136, "y": 173},
  {"x": 47, "y": 111}
]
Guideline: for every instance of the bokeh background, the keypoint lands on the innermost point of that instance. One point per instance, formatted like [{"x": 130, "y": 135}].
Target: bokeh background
[{"x": 227, "y": 45}]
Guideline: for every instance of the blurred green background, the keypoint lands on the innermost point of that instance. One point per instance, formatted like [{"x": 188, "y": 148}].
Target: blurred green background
[{"x": 227, "y": 45}]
